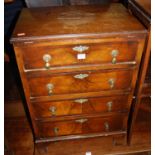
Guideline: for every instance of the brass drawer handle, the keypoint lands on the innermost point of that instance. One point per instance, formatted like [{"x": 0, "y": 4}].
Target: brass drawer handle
[
  {"x": 114, "y": 54},
  {"x": 83, "y": 120},
  {"x": 80, "y": 48},
  {"x": 56, "y": 130},
  {"x": 106, "y": 126},
  {"x": 53, "y": 109},
  {"x": 111, "y": 83},
  {"x": 109, "y": 105},
  {"x": 81, "y": 101},
  {"x": 47, "y": 58},
  {"x": 81, "y": 76},
  {"x": 50, "y": 87}
]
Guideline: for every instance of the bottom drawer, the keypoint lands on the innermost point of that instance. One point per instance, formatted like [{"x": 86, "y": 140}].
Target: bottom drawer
[{"x": 82, "y": 126}]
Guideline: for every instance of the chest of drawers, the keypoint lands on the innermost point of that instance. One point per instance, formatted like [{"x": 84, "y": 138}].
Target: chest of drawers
[{"x": 78, "y": 67}]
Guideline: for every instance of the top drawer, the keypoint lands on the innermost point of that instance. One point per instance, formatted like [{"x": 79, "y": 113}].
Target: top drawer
[{"x": 46, "y": 55}]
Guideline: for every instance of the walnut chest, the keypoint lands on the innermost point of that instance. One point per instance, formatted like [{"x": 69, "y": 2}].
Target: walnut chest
[{"x": 78, "y": 66}]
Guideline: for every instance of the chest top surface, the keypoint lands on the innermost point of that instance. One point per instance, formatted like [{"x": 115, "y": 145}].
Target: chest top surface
[{"x": 66, "y": 21}]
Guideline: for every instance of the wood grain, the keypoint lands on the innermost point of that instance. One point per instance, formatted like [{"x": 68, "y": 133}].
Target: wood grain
[
  {"x": 69, "y": 84},
  {"x": 66, "y": 55},
  {"x": 73, "y": 127},
  {"x": 142, "y": 10},
  {"x": 75, "y": 20},
  {"x": 75, "y": 107},
  {"x": 99, "y": 28},
  {"x": 20, "y": 129}
]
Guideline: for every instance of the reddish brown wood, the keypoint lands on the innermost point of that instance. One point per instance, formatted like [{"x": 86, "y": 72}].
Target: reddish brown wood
[
  {"x": 14, "y": 108},
  {"x": 73, "y": 127},
  {"x": 144, "y": 5},
  {"x": 20, "y": 130},
  {"x": 97, "y": 27},
  {"x": 140, "y": 87},
  {"x": 65, "y": 55},
  {"x": 91, "y": 105},
  {"x": 142, "y": 10},
  {"x": 83, "y": 20},
  {"x": 79, "y": 95},
  {"x": 69, "y": 84},
  {"x": 8, "y": 1},
  {"x": 25, "y": 85},
  {"x": 146, "y": 90}
]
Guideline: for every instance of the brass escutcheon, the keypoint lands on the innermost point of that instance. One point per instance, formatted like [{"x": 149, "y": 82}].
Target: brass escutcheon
[
  {"x": 81, "y": 101},
  {"x": 81, "y": 76},
  {"x": 83, "y": 120},
  {"x": 80, "y": 48}
]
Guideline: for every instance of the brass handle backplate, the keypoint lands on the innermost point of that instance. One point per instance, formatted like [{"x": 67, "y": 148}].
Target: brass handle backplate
[
  {"x": 83, "y": 120},
  {"x": 50, "y": 87},
  {"x": 80, "y": 48},
  {"x": 111, "y": 82},
  {"x": 81, "y": 101},
  {"x": 106, "y": 126},
  {"x": 81, "y": 76},
  {"x": 52, "y": 109},
  {"x": 47, "y": 58},
  {"x": 56, "y": 130},
  {"x": 114, "y": 54},
  {"x": 109, "y": 105},
  {"x": 114, "y": 60}
]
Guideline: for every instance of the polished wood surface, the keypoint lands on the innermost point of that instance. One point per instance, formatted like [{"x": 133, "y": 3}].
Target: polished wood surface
[
  {"x": 100, "y": 145},
  {"x": 139, "y": 95},
  {"x": 81, "y": 106},
  {"x": 146, "y": 90},
  {"x": 99, "y": 53},
  {"x": 145, "y": 4},
  {"x": 142, "y": 10},
  {"x": 77, "y": 126},
  {"x": 67, "y": 79},
  {"x": 75, "y": 21},
  {"x": 70, "y": 83}
]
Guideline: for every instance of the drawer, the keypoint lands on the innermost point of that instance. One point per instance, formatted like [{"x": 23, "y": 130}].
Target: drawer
[
  {"x": 82, "y": 126},
  {"x": 80, "y": 82},
  {"x": 81, "y": 106},
  {"x": 41, "y": 56}
]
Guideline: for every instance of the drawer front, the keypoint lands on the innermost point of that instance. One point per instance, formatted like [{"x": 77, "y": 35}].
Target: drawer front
[
  {"x": 80, "y": 82},
  {"x": 41, "y": 56},
  {"x": 81, "y": 106},
  {"x": 82, "y": 126}
]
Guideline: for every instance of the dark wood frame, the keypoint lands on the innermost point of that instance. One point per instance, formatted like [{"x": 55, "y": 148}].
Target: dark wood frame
[{"x": 145, "y": 18}]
